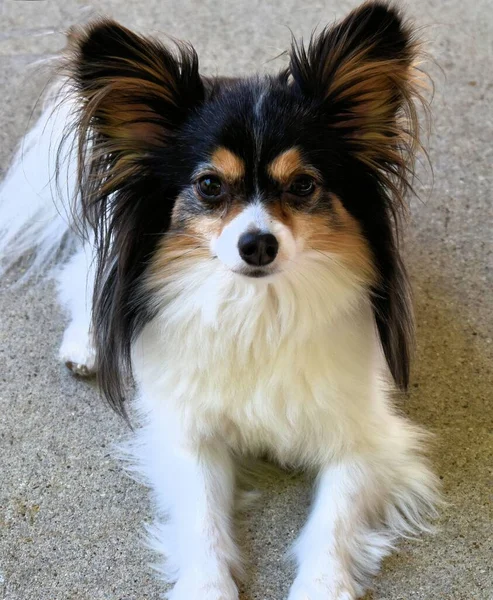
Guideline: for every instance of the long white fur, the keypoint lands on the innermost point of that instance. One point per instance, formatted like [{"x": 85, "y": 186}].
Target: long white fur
[
  {"x": 34, "y": 211},
  {"x": 289, "y": 365}
]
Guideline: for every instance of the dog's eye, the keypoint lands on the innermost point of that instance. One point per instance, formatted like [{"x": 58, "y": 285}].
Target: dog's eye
[
  {"x": 210, "y": 187},
  {"x": 303, "y": 185}
]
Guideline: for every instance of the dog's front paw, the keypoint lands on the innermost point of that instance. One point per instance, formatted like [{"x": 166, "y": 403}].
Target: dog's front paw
[
  {"x": 319, "y": 588},
  {"x": 77, "y": 353},
  {"x": 195, "y": 586}
]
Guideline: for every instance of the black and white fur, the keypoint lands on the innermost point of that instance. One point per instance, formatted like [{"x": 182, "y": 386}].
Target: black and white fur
[{"x": 296, "y": 360}]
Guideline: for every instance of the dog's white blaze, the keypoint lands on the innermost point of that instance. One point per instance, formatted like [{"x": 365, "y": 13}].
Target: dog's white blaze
[{"x": 252, "y": 217}]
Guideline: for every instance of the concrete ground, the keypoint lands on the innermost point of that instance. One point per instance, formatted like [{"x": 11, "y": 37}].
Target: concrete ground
[{"x": 70, "y": 520}]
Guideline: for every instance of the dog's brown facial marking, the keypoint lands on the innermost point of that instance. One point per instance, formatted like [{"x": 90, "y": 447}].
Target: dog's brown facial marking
[
  {"x": 281, "y": 212},
  {"x": 178, "y": 250},
  {"x": 287, "y": 165},
  {"x": 334, "y": 232},
  {"x": 228, "y": 164},
  {"x": 188, "y": 241}
]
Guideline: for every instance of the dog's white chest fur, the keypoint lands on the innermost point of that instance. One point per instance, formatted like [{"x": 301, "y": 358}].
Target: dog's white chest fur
[{"x": 277, "y": 368}]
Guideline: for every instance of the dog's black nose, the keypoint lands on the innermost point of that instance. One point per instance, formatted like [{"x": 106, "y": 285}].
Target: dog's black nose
[{"x": 258, "y": 249}]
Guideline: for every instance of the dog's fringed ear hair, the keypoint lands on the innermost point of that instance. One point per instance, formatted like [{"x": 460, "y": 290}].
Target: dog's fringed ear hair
[
  {"x": 133, "y": 95},
  {"x": 362, "y": 73},
  {"x": 135, "y": 89}
]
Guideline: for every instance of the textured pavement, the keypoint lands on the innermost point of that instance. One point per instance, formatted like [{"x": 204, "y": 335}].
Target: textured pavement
[{"x": 70, "y": 520}]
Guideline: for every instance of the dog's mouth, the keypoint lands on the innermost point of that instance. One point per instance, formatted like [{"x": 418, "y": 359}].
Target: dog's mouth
[{"x": 256, "y": 273}]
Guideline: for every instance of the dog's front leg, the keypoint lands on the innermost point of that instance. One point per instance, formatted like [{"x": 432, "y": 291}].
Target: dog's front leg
[
  {"x": 338, "y": 548},
  {"x": 194, "y": 487}
]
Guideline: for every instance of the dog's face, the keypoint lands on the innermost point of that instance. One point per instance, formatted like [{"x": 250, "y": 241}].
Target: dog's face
[
  {"x": 257, "y": 176},
  {"x": 263, "y": 188}
]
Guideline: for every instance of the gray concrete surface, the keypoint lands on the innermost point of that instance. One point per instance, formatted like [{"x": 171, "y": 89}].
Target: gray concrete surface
[{"x": 70, "y": 521}]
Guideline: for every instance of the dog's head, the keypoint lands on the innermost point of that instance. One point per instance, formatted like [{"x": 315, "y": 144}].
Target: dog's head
[{"x": 257, "y": 175}]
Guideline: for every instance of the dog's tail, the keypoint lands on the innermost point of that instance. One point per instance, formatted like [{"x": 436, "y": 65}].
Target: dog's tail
[{"x": 38, "y": 191}]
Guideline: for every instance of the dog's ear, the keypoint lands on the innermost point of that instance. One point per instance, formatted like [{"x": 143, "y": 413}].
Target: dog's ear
[
  {"x": 362, "y": 71},
  {"x": 133, "y": 95},
  {"x": 361, "y": 75},
  {"x": 135, "y": 92}
]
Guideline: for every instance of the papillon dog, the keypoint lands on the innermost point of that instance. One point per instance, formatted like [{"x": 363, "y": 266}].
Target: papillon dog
[{"x": 229, "y": 247}]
